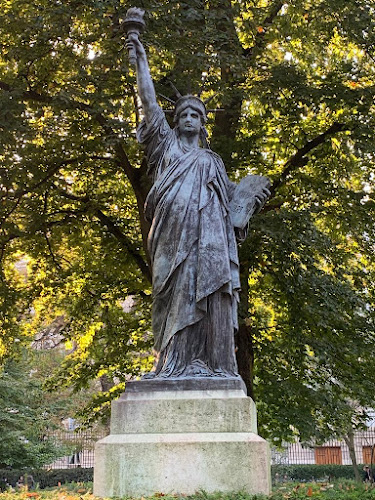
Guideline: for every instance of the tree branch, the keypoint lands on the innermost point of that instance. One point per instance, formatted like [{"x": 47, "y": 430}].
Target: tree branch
[
  {"x": 17, "y": 195},
  {"x": 120, "y": 236},
  {"x": 226, "y": 123},
  {"x": 259, "y": 42},
  {"x": 70, "y": 103},
  {"x": 114, "y": 230},
  {"x": 7, "y": 214},
  {"x": 50, "y": 173},
  {"x": 137, "y": 177},
  {"x": 298, "y": 159},
  {"x": 70, "y": 196},
  {"x": 51, "y": 251},
  {"x": 30, "y": 231}
]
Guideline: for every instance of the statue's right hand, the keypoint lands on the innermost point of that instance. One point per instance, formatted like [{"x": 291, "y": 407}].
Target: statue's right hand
[
  {"x": 133, "y": 42},
  {"x": 130, "y": 45}
]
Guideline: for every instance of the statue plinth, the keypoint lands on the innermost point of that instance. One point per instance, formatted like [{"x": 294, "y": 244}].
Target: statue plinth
[{"x": 169, "y": 440}]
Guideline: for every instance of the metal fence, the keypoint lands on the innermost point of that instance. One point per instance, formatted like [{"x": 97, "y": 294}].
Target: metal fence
[
  {"x": 331, "y": 452},
  {"x": 81, "y": 450},
  {"x": 80, "y": 446}
]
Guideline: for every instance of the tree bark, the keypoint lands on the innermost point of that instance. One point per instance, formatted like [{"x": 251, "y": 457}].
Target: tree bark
[
  {"x": 106, "y": 383},
  {"x": 231, "y": 56},
  {"x": 244, "y": 342},
  {"x": 349, "y": 440},
  {"x": 245, "y": 357}
]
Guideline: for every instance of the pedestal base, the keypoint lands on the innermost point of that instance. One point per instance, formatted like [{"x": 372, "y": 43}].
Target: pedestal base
[{"x": 182, "y": 441}]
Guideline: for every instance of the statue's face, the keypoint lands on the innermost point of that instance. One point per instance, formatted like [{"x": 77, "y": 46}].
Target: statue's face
[{"x": 189, "y": 122}]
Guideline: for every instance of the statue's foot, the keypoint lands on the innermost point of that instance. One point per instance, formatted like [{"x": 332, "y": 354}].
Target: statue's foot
[{"x": 198, "y": 368}]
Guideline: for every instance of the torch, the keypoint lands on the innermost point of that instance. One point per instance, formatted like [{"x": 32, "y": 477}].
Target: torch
[{"x": 134, "y": 23}]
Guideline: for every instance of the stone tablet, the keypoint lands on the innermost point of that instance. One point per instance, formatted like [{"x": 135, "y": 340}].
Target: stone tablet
[{"x": 244, "y": 203}]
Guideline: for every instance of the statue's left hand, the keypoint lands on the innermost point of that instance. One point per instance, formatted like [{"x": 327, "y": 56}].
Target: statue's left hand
[{"x": 261, "y": 197}]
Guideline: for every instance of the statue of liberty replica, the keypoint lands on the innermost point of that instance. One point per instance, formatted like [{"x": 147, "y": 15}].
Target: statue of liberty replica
[
  {"x": 188, "y": 425},
  {"x": 192, "y": 241}
]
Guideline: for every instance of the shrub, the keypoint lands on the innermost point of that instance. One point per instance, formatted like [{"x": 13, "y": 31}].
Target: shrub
[
  {"x": 47, "y": 478},
  {"x": 312, "y": 472}
]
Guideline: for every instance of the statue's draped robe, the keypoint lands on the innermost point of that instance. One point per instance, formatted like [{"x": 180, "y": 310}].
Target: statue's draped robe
[{"x": 193, "y": 254}]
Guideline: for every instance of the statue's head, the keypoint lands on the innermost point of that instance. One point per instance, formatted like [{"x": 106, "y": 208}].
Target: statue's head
[{"x": 190, "y": 101}]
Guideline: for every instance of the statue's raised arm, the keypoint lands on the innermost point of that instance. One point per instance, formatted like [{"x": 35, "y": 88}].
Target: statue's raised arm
[{"x": 145, "y": 85}]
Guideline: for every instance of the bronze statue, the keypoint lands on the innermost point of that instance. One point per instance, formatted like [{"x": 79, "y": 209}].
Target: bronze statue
[{"x": 192, "y": 240}]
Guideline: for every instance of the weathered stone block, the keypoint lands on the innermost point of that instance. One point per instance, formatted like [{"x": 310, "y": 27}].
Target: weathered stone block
[
  {"x": 196, "y": 412},
  {"x": 180, "y": 442}
]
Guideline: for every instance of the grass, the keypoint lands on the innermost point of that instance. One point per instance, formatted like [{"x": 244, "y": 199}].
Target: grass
[{"x": 344, "y": 490}]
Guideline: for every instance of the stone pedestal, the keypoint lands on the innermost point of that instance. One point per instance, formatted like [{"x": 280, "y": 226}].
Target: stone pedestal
[{"x": 170, "y": 440}]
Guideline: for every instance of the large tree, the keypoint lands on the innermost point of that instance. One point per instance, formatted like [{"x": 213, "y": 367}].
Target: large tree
[{"x": 293, "y": 86}]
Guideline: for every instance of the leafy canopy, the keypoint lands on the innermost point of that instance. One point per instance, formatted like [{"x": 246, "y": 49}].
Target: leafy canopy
[{"x": 294, "y": 85}]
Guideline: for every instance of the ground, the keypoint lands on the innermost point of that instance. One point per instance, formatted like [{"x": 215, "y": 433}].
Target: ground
[{"x": 345, "y": 490}]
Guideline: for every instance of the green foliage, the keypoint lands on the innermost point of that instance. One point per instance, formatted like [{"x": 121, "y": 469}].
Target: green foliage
[
  {"x": 28, "y": 415},
  {"x": 23, "y": 441},
  {"x": 48, "y": 478},
  {"x": 338, "y": 491},
  {"x": 312, "y": 472},
  {"x": 343, "y": 490},
  {"x": 346, "y": 490},
  {"x": 296, "y": 82}
]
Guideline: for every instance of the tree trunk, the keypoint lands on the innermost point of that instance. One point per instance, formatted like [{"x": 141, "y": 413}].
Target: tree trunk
[
  {"x": 349, "y": 440},
  {"x": 244, "y": 343},
  {"x": 106, "y": 383},
  {"x": 245, "y": 357},
  {"x": 230, "y": 53}
]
